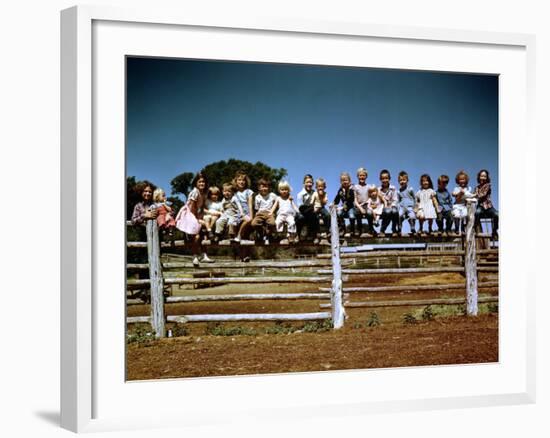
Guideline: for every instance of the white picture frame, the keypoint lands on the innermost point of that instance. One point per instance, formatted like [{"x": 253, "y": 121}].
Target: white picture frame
[{"x": 85, "y": 375}]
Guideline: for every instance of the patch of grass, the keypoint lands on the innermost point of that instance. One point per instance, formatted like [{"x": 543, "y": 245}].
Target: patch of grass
[
  {"x": 317, "y": 326},
  {"x": 492, "y": 307},
  {"x": 428, "y": 314},
  {"x": 140, "y": 335},
  {"x": 373, "y": 320},
  {"x": 217, "y": 329},
  {"x": 409, "y": 318},
  {"x": 179, "y": 330},
  {"x": 280, "y": 329}
]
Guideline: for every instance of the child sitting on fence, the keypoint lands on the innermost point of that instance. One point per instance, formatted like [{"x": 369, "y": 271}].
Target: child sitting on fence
[
  {"x": 264, "y": 204},
  {"x": 142, "y": 210},
  {"x": 461, "y": 193},
  {"x": 346, "y": 196},
  {"x": 190, "y": 217},
  {"x": 286, "y": 212},
  {"x": 485, "y": 207},
  {"x": 320, "y": 200},
  {"x": 406, "y": 201},
  {"x": 426, "y": 203},
  {"x": 361, "y": 191},
  {"x": 306, "y": 216},
  {"x": 213, "y": 210},
  {"x": 390, "y": 213},
  {"x": 244, "y": 196},
  {"x": 230, "y": 217},
  {"x": 445, "y": 206},
  {"x": 165, "y": 215},
  {"x": 375, "y": 207}
]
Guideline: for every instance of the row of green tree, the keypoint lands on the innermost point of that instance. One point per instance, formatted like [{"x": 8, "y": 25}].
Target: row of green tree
[{"x": 217, "y": 174}]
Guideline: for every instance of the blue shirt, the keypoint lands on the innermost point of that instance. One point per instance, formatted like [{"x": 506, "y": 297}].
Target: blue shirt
[
  {"x": 406, "y": 197},
  {"x": 444, "y": 199}
]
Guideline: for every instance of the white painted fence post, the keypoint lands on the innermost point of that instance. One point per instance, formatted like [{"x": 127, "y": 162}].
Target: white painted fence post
[
  {"x": 156, "y": 279},
  {"x": 338, "y": 313},
  {"x": 470, "y": 262}
]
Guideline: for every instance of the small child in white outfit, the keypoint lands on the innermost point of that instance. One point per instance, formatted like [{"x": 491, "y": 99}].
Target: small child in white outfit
[
  {"x": 286, "y": 212},
  {"x": 461, "y": 192}
]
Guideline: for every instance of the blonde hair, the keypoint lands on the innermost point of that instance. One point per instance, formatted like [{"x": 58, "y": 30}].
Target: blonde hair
[
  {"x": 213, "y": 191},
  {"x": 284, "y": 185},
  {"x": 345, "y": 174},
  {"x": 321, "y": 181},
  {"x": 157, "y": 194},
  {"x": 360, "y": 171},
  {"x": 372, "y": 188}
]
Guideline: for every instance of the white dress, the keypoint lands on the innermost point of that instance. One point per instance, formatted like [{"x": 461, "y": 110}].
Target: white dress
[
  {"x": 426, "y": 208},
  {"x": 460, "y": 210},
  {"x": 285, "y": 215}
]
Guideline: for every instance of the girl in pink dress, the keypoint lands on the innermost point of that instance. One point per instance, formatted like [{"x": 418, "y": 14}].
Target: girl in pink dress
[
  {"x": 165, "y": 214},
  {"x": 190, "y": 217}
]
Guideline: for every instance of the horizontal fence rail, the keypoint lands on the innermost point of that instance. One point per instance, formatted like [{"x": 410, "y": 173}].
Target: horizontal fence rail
[
  {"x": 247, "y": 297},
  {"x": 235, "y": 317},
  {"x": 411, "y": 288},
  {"x": 412, "y": 303}
]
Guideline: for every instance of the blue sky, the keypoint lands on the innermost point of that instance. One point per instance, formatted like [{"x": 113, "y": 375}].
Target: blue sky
[{"x": 185, "y": 114}]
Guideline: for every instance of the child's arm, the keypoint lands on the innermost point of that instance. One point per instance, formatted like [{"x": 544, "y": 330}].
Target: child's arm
[
  {"x": 294, "y": 206},
  {"x": 434, "y": 200},
  {"x": 357, "y": 205},
  {"x": 192, "y": 204},
  {"x": 250, "y": 207},
  {"x": 383, "y": 199},
  {"x": 275, "y": 206}
]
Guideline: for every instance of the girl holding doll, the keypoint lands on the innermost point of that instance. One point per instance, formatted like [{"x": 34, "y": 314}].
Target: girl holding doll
[
  {"x": 461, "y": 193},
  {"x": 165, "y": 215}
]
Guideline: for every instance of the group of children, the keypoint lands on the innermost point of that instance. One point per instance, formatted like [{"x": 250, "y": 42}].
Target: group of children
[
  {"x": 236, "y": 211},
  {"x": 386, "y": 204}
]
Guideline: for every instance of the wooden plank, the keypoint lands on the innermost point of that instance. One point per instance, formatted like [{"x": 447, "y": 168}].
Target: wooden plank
[
  {"x": 236, "y": 317},
  {"x": 405, "y": 253},
  {"x": 338, "y": 314},
  {"x": 176, "y": 243},
  {"x": 246, "y": 297},
  {"x": 241, "y": 265},
  {"x": 156, "y": 279},
  {"x": 403, "y": 303},
  {"x": 470, "y": 261},
  {"x": 232, "y": 280},
  {"x": 411, "y": 288},
  {"x": 434, "y": 269}
]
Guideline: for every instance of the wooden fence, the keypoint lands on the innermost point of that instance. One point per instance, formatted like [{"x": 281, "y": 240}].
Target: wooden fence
[{"x": 335, "y": 272}]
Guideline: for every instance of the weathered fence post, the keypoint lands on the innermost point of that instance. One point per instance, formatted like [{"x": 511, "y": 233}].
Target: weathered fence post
[
  {"x": 156, "y": 279},
  {"x": 470, "y": 260},
  {"x": 338, "y": 313}
]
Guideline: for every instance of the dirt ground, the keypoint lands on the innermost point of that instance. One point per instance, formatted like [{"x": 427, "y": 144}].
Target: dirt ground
[{"x": 449, "y": 338}]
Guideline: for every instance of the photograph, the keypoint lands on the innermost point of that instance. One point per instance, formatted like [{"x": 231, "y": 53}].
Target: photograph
[{"x": 287, "y": 218}]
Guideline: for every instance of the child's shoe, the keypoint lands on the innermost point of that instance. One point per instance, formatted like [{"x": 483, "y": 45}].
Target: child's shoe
[
  {"x": 206, "y": 259},
  {"x": 196, "y": 262}
]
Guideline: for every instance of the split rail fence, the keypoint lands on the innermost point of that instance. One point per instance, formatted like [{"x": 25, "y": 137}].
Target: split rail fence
[{"x": 337, "y": 270}]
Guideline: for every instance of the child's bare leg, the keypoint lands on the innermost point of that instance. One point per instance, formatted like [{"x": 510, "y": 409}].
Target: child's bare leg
[{"x": 421, "y": 226}]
